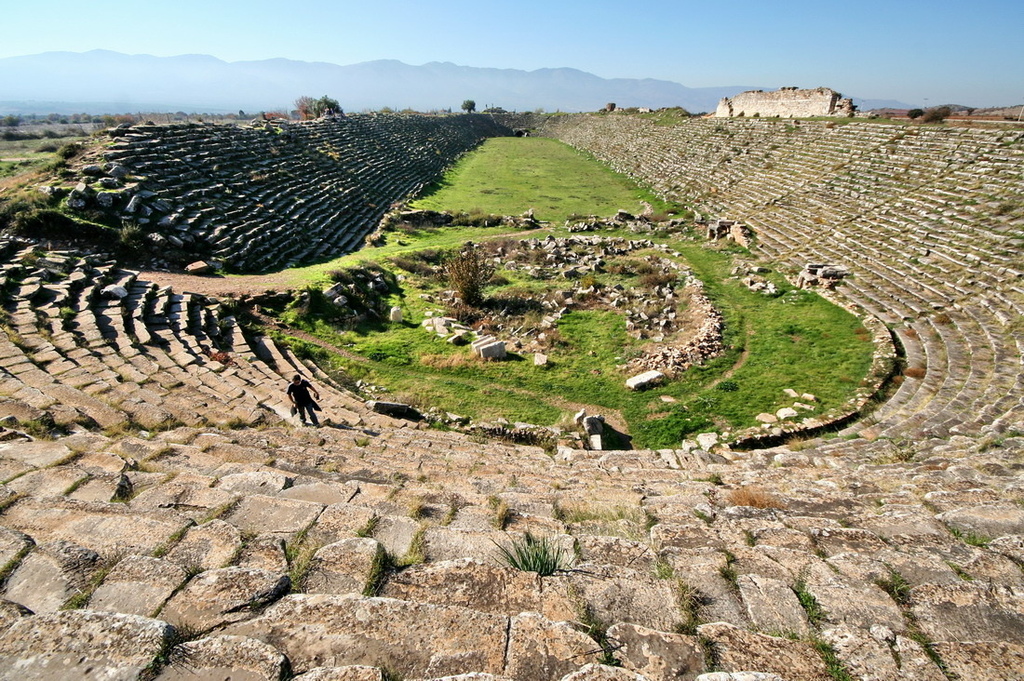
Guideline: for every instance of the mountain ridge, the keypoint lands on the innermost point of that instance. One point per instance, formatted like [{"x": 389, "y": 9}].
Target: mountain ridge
[{"x": 94, "y": 81}]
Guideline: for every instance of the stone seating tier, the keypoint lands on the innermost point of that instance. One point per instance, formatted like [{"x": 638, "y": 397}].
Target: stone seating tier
[{"x": 182, "y": 504}]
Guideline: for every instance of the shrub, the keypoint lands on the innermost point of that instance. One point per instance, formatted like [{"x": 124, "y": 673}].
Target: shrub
[
  {"x": 914, "y": 372},
  {"x": 468, "y": 271},
  {"x": 914, "y": 114},
  {"x": 936, "y": 115},
  {"x": 534, "y": 554},
  {"x": 757, "y": 497}
]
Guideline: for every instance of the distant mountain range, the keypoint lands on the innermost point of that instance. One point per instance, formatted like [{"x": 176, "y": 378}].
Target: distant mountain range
[{"x": 101, "y": 81}]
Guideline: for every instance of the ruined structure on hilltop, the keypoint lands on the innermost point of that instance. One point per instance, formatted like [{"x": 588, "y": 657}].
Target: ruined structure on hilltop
[{"x": 787, "y": 102}]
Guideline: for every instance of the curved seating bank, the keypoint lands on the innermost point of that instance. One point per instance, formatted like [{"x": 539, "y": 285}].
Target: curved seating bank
[{"x": 177, "y": 526}]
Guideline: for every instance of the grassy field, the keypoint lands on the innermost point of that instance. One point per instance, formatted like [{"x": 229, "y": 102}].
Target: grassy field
[
  {"x": 511, "y": 175},
  {"x": 797, "y": 340}
]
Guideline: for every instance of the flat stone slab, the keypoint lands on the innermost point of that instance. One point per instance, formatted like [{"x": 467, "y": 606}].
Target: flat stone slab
[
  {"x": 38, "y": 454},
  {"x": 344, "y": 566},
  {"x": 217, "y": 658},
  {"x": 79, "y": 644},
  {"x": 217, "y": 597},
  {"x": 207, "y": 546},
  {"x": 261, "y": 513},
  {"x": 108, "y": 528},
  {"x": 51, "y": 574},
  {"x": 740, "y": 650},
  {"x": 657, "y": 655},
  {"x": 645, "y": 380},
  {"x": 317, "y": 630},
  {"x": 138, "y": 585}
]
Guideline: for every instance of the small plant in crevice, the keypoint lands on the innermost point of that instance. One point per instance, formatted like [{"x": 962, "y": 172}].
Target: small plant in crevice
[
  {"x": 528, "y": 553},
  {"x": 728, "y": 571},
  {"x": 690, "y": 601},
  {"x": 971, "y": 538},
  {"x": 378, "y": 573},
  {"x": 896, "y": 586},
  {"x": 815, "y": 613},
  {"x": 834, "y": 667}
]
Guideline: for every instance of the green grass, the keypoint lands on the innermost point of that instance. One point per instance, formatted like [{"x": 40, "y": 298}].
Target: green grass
[
  {"x": 534, "y": 554},
  {"x": 797, "y": 340},
  {"x": 510, "y": 175}
]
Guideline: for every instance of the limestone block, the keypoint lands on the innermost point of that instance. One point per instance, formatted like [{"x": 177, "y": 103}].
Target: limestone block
[
  {"x": 138, "y": 585},
  {"x": 765, "y": 417},
  {"x": 11, "y": 545},
  {"x": 261, "y": 513},
  {"x": 772, "y": 605},
  {"x": 841, "y": 539},
  {"x": 645, "y": 380},
  {"x": 989, "y": 660},
  {"x": 50, "y": 575},
  {"x": 739, "y": 650},
  {"x": 1011, "y": 546},
  {"x": 320, "y": 492},
  {"x": 395, "y": 315},
  {"x": 37, "y": 454},
  {"x": 222, "y": 596},
  {"x": 480, "y": 586},
  {"x": 858, "y": 605},
  {"x": 77, "y": 644},
  {"x": 10, "y": 613},
  {"x": 396, "y": 533},
  {"x": 657, "y": 655},
  {"x": 208, "y": 546},
  {"x": 350, "y": 673},
  {"x": 343, "y": 567},
  {"x": 786, "y": 413},
  {"x": 256, "y": 482},
  {"x": 602, "y": 672},
  {"x": 339, "y": 521},
  {"x": 107, "y": 528},
  {"x": 452, "y": 543},
  {"x": 969, "y": 611},
  {"x": 224, "y": 657},
  {"x": 739, "y": 676},
  {"x": 621, "y": 595},
  {"x": 495, "y": 349},
  {"x": 989, "y": 521},
  {"x": 316, "y": 630},
  {"x": 49, "y": 482},
  {"x": 540, "y": 650},
  {"x": 540, "y": 359},
  {"x": 871, "y": 656},
  {"x": 264, "y": 552},
  {"x": 616, "y": 551}
]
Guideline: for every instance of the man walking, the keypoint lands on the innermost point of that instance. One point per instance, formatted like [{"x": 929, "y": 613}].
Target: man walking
[{"x": 298, "y": 393}]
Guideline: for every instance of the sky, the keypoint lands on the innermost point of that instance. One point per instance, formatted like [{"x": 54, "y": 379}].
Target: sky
[{"x": 924, "y": 53}]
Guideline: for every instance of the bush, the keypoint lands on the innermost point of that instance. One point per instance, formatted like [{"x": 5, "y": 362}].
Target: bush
[
  {"x": 936, "y": 115},
  {"x": 468, "y": 271},
  {"x": 914, "y": 114}
]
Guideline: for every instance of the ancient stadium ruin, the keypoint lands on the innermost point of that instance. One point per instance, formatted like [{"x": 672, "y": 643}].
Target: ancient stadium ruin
[{"x": 162, "y": 517}]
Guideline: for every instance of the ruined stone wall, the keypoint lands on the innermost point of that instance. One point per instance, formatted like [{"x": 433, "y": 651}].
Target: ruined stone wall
[{"x": 785, "y": 103}]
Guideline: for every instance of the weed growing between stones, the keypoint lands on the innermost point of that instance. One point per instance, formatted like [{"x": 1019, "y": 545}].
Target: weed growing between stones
[
  {"x": 367, "y": 529},
  {"x": 815, "y": 613},
  {"x": 534, "y": 554},
  {"x": 971, "y": 538},
  {"x": 833, "y": 665},
  {"x": 690, "y": 600},
  {"x": 502, "y": 513},
  {"x": 378, "y": 574},
  {"x": 896, "y": 586}
]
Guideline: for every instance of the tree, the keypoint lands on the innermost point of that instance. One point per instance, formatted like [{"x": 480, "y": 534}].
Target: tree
[
  {"x": 468, "y": 270},
  {"x": 310, "y": 108},
  {"x": 936, "y": 115},
  {"x": 469, "y": 106},
  {"x": 915, "y": 114}
]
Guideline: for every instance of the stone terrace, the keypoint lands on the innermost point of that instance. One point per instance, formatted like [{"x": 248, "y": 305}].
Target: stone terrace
[
  {"x": 274, "y": 195},
  {"x": 184, "y": 528},
  {"x": 928, "y": 219}
]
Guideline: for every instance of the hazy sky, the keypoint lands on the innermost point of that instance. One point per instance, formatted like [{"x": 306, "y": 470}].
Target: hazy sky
[{"x": 923, "y": 53}]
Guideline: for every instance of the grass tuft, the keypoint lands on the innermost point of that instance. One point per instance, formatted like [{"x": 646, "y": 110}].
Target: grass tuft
[{"x": 534, "y": 554}]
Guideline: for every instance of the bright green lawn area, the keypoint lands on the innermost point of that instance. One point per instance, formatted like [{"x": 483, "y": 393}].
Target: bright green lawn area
[{"x": 510, "y": 175}]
